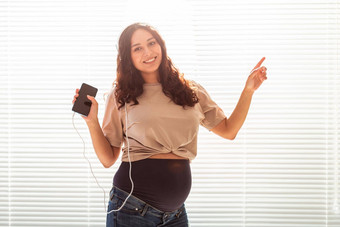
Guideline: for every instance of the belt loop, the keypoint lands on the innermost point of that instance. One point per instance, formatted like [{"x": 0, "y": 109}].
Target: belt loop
[
  {"x": 145, "y": 209},
  {"x": 179, "y": 213},
  {"x": 112, "y": 193}
]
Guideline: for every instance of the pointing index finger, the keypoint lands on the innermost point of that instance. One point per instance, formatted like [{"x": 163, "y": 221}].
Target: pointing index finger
[{"x": 260, "y": 63}]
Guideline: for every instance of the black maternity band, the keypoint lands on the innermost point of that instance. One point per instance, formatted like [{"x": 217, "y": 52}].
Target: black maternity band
[{"x": 162, "y": 183}]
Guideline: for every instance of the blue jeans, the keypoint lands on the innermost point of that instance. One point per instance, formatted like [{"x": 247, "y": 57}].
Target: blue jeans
[{"x": 137, "y": 213}]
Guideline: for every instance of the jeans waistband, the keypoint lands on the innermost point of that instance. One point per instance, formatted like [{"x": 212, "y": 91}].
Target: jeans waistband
[{"x": 141, "y": 205}]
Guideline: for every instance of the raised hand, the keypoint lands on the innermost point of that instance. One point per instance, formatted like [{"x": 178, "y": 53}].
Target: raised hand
[
  {"x": 93, "y": 115},
  {"x": 256, "y": 77}
]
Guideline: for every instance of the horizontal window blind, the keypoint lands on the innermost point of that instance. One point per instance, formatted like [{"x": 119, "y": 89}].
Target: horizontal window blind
[{"x": 281, "y": 170}]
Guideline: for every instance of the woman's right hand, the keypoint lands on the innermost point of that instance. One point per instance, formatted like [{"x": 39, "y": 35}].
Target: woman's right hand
[{"x": 92, "y": 118}]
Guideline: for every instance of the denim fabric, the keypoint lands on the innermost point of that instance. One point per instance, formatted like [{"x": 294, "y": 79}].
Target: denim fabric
[{"x": 137, "y": 213}]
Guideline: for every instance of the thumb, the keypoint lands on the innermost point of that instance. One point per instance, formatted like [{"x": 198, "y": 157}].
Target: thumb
[{"x": 93, "y": 100}]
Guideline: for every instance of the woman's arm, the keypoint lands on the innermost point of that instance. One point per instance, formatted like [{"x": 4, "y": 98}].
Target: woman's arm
[
  {"x": 106, "y": 153},
  {"x": 228, "y": 128}
]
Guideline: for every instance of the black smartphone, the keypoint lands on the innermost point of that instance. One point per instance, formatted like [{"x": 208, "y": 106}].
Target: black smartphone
[{"x": 83, "y": 105}]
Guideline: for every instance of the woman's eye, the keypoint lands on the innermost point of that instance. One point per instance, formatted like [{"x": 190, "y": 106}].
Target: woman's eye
[
  {"x": 152, "y": 43},
  {"x": 137, "y": 49}
]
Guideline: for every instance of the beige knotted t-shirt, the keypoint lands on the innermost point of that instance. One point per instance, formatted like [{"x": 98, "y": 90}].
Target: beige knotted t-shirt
[{"x": 158, "y": 125}]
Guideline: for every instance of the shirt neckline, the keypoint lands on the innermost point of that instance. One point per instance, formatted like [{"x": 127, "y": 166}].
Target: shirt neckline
[{"x": 151, "y": 84}]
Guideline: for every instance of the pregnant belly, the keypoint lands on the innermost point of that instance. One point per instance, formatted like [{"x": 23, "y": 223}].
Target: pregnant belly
[{"x": 162, "y": 183}]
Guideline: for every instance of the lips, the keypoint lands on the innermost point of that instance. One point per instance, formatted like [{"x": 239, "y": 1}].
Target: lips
[{"x": 151, "y": 60}]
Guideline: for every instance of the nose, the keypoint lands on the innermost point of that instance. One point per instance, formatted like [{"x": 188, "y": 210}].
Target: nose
[{"x": 147, "y": 51}]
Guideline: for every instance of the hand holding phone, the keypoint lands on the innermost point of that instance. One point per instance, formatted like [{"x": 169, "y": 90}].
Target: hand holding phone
[{"x": 82, "y": 104}]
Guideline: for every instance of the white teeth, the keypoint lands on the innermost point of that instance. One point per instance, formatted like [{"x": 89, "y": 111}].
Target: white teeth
[{"x": 151, "y": 60}]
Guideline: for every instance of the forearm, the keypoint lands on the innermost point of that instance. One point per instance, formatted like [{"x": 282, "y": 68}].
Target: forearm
[
  {"x": 229, "y": 128},
  {"x": 237, "y": 118},
  {"x": 106, "y": 154}
]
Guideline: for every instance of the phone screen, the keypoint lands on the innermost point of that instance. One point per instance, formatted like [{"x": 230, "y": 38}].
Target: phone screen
[{"x": 83, "y": 105}]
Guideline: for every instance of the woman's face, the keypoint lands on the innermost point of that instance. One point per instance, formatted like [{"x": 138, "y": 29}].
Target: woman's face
[{"x": 146, "y": 53}]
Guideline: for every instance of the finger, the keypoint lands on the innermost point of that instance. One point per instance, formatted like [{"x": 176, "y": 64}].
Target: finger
[
  {"x": 262, "y": 78},
  {"x": 253, "y": 73},
  {"x": 259, "y": 64},
  {"x": 259, "y": 69},
  {"x": 263, "y": 74},
  {"x": 74, "y": 98},
  {"x": 93, "y": 100},
  {"x": 263, "y": 70}
]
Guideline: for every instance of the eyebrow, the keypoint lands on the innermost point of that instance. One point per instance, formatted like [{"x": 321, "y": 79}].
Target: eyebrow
[{"x": 136, "y": 44}]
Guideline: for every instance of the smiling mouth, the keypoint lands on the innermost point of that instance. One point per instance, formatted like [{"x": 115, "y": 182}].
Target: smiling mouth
[{"x": 150, "y": 60}]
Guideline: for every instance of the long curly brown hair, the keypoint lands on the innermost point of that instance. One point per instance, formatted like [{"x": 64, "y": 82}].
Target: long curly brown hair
[{"x": 129, "y": 81}]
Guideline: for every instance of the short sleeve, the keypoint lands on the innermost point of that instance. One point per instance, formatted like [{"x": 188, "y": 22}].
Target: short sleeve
[
  {"x": 112, "y": 124},
  {"x": 213, "y": 114}
]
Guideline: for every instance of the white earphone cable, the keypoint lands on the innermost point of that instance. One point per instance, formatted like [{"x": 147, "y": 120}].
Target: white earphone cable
[
  {"x": 130, "y": 169},
  {"x": 89, "y": 161}
]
